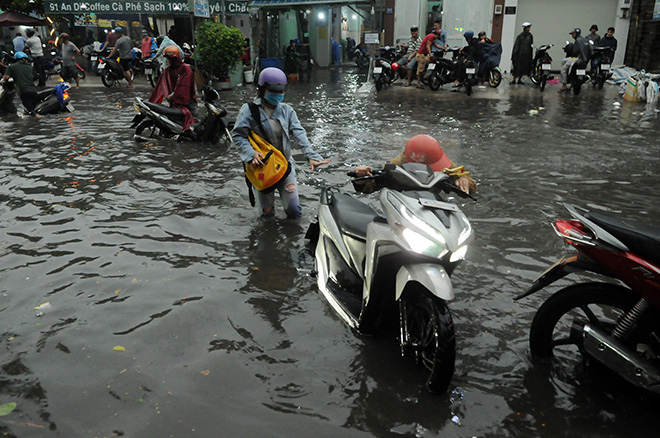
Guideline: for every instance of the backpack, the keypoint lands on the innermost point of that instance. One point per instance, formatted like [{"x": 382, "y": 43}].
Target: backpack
[{"x": 276, "y": 167}]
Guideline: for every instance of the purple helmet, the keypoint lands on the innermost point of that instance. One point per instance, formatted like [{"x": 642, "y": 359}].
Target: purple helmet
[{"x": 273, "y": 79}]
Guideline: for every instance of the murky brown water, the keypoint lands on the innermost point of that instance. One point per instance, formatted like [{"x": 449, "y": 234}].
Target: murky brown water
[{"x": 173, "y": 310}]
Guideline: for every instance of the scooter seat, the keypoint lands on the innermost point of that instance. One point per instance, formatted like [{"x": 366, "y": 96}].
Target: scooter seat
[
  {"x": 640, "y": 238},
  {"x": 41, "y": 95},
  {"x": 352, "y": 215},
  {"x": 173, "y": 114}
]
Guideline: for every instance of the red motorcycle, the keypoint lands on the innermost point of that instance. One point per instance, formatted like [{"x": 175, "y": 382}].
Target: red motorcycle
[{"x": 616, "y": 325}]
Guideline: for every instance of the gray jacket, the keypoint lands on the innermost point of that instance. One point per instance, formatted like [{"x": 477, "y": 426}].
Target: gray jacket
[{"x": 292, "y": 130}]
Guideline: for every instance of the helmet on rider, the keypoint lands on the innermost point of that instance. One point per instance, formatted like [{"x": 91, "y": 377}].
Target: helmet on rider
[
  {"x": 577, "y": 31},
  {"x": 273, "y": 79},
  {"x": 426, "y": 149},
  {"x": 172, "y": 52},
  {"x": 468, "y": 34},
  {"x": 526, "y": 24},
  {"x": 20, "y": 55},
  {"x": 64, "y": 36}
]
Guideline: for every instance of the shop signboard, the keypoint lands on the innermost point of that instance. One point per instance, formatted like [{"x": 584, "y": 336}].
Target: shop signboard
[
  {"x": 152, "y": 7},
  {"x": 231, "y": 7},
  {"x": 200, "y": 8}
]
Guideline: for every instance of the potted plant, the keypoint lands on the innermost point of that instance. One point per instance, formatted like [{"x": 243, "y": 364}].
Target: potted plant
[{"x": 220, "y": 48}]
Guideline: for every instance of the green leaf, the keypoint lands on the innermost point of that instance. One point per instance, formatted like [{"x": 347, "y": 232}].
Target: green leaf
[{"x": 7, "y": 408}]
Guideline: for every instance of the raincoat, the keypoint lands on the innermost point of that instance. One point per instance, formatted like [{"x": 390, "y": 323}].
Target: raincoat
[
  {"x": 522, "y": 54},
  {"x": 178, "y": 79}
]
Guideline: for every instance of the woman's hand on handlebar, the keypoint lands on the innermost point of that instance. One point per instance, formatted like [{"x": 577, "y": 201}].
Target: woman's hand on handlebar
[
  {"x": 363, "y": 171},
  {"x": 463, "y": 183}
]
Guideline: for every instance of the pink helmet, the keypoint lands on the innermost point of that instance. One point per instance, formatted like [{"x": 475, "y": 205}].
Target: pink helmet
[
  {"x": 273, "y": 79},
  {"x": 426, "y": 149}
]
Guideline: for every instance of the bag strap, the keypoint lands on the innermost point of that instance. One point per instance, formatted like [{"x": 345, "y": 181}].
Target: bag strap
[{"x": 254, "y": 109}]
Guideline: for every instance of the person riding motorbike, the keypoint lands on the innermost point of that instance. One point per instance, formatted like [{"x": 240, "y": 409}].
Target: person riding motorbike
[
  {"x": 177, "y": 85},
  {"x": 471, "y": 52},
  {"x": 424, "y": 149},
  {"x": 579, "y": 50}
]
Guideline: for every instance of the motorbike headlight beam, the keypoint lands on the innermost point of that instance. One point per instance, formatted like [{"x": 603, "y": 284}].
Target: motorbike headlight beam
[
  {"x": 459, "y": 254},
  {"x": 422, "y": 245}
]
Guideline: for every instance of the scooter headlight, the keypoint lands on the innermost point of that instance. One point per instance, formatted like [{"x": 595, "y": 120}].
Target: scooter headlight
[
  {"x": 459, "y": 254},
  {"x": 422, "y": 245}
]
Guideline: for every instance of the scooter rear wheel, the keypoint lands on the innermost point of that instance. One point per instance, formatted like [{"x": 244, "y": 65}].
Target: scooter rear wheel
[
  {"x": 576, "y": 88},
  {"x": 107, "y": 79},
  {"x": 427, "y": 335},
  {"x": 597, "y": 304},
  {"x": 434, "y": 81}
]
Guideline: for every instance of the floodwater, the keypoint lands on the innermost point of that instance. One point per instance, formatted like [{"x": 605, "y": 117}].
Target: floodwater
[{"x": 168, "y": 308}]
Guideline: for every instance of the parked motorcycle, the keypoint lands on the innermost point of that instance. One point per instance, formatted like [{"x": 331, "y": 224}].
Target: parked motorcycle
[
  {"x": 577, "y": 73},
  {"x": 357, "y": 54},
  {"x": 385, "y": 66},
  {"x": 152, "y": 69},
  {"x": 541, "y": 66},
  {"x": 54, "y": 100},
  {"x": 391, "y": 273},
  {"x": 601, "y": 63},
  {"x": 155, "y": 121},
  {"x": 489, "y": 64},
  {"x": 440, "y": 71},
  {"x": 615, "y": 325},
  {"x": 112, "y": 72}
]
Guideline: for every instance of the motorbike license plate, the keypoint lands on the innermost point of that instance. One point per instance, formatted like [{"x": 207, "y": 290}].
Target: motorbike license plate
[
  {"x": 546, "y": 66},
  {"x": 69, "y": 107},
  {"x": 581, "y": 72},
  {"x": 58, "y": 68},
  {"x": 605, "y": 66},
  {"x": 102, "y": 66},
  {"x": 147, "y": 71},
  {"x": 470, "y": 71},
  {"x": 431, "y": 66},
  {"x": 94, "y": 58},
  {"x": 378, "y": 70}
]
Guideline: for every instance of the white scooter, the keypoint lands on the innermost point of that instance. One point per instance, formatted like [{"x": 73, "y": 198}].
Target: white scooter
[{"x": 392, "y": 271}]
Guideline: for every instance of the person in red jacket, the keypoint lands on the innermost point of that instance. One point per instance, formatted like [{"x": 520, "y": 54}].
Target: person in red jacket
[
  {"x": 177, "y": 85},
  {"x": 424, "y": 53}
]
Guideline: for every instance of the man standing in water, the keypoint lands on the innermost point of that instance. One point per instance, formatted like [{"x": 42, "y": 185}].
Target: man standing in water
[{"x": 521, "y": 56}]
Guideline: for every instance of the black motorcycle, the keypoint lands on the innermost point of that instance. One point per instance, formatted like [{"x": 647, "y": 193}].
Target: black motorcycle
[
  {"x": 385, "y": 65},
  {"x": 542, "y": 65},
  {"x": 160, "y": 121},
  {"x": 440, "y": 71},
  {"x": 112, "y": 72},
  {"x": 577, "y": 73},
  {"x": 601, "y": 66}
]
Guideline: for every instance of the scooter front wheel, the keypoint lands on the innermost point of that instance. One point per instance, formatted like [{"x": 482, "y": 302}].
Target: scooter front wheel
[
  {"x": 494, "y": 78},
  {"x": 147, "y": 129},
  {"x": 598, "y": 304},
  {"x": 427, "y": 335}
]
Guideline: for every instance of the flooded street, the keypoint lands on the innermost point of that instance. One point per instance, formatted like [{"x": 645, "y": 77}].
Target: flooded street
[{"x": 168, "y": 308}]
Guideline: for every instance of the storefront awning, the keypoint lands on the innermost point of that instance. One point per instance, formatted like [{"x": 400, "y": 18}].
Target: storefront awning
[{"x": 294, "y": 3}]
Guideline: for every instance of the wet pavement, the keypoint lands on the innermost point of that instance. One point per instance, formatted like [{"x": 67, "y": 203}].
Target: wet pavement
[{"x": 141, "y": 295}]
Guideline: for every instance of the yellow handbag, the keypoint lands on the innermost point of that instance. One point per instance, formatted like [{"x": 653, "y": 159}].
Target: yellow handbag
[{"x": 275, "y": 167}]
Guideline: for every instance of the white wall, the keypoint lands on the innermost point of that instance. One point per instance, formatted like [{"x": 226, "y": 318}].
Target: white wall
[
  {"x": 553, "y": 19},
  {"x": 462, "y": 15},
  {"x": 407, "y": 14}
]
